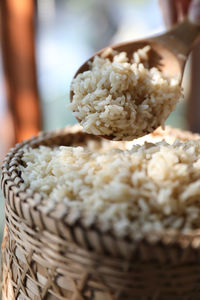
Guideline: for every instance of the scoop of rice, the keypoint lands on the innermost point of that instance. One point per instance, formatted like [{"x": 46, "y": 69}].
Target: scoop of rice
[
  {"x": 121, "y": 99},
  {"x": 147, "y": 188}
]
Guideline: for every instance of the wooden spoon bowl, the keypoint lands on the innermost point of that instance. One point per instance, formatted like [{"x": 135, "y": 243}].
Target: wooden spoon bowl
[{"x": 168, "y": 53}]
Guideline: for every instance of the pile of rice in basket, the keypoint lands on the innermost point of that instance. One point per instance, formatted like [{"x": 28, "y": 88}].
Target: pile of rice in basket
[
  {"x": 139, "y": 188},
  {"x": 122, "y": 99}
]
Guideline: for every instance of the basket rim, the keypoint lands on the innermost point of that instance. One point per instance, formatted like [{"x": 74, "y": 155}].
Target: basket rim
[{"x": 73, "y": 217}]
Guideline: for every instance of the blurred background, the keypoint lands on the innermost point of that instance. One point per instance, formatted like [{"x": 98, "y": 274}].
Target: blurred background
[{"x": 42, "y": 45}]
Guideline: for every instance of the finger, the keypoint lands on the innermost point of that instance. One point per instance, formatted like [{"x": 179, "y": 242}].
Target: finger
[
  {"x": 182, "y": 7},
  {"x": 169, "y": 12},
  {"x": 194, "y": 12}
]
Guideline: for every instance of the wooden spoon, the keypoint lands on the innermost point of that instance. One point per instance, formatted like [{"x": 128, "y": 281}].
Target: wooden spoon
[{"x": 169, "y": 51}]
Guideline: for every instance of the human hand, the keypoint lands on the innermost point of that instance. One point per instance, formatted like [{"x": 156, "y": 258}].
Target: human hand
[{"x": 174, "y": 11}]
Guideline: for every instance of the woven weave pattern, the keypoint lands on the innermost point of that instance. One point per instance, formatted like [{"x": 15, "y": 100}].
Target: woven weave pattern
[
  {"x": 49, "y": 254},
  {"x": 43, "y": 266}
]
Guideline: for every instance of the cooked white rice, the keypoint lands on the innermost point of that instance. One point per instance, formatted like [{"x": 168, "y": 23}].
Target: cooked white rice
[
  {"x": 147, "y": 188},
  {"x": 121, "y": 99}
]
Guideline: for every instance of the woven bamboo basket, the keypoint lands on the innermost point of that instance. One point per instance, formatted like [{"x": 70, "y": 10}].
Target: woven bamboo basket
[{"x": 51, "y": 253}]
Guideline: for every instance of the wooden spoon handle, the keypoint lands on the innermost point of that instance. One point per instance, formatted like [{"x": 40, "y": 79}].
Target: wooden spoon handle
[
  {"x": 187, "y": 34},
  {"x": 180, "y": 39}
]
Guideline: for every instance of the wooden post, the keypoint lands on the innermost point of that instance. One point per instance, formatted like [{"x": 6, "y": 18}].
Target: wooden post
[{"x": 18, "y": 35}]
